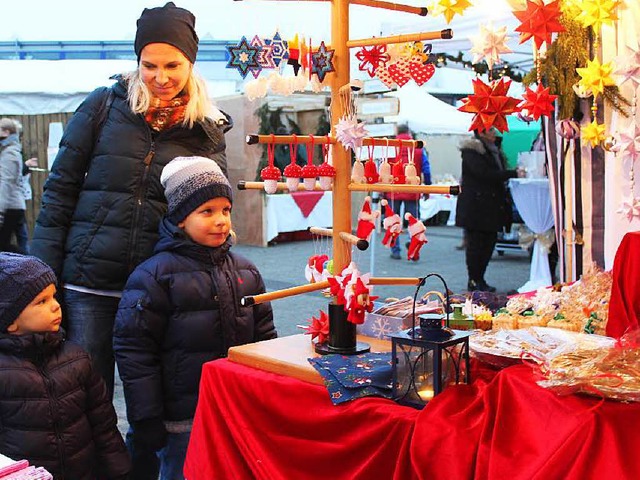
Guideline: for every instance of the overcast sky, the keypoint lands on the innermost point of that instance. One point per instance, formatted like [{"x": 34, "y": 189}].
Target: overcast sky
[{"x": 31, "y": 20}]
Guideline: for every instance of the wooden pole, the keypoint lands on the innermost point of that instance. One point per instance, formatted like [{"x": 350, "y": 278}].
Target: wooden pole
[
  {"x": 304, "y": 139},
  {"x": 404, "y": 188},
  {"x": 422, "y": 11},
  {"x": 281, "y": 186},
  {"x": 445, "y": 34},
  {"x": 287, "y": 292},
  {"x": 325, "y": 232},
  {"x": 393, "y": 281}
]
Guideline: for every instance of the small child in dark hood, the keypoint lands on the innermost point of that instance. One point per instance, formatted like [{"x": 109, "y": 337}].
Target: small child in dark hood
[
  {"x": 54, "y": 407},
  {"x": 180, "y": 309}
]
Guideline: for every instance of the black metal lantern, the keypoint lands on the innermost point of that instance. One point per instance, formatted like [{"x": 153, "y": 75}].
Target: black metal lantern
[{"x": 429, "y": 357}]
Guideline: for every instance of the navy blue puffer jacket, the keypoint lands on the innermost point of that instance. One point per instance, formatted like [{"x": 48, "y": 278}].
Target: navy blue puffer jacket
[
  {"x": 55, "y": 411},
  {"x": 180, "y": 309},
  {"x": 103, "y": 200}
]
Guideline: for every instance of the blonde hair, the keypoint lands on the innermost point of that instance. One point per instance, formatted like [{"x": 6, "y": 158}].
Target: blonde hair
[
  {"x": 198, "y": 107},
  {"x": 10, "y": 124}
]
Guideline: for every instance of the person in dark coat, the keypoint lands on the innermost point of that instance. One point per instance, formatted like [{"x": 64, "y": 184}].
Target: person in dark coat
[
  {"x": 482, "y": 208},
  {"x": 180, "y": 309},
  {"x": 103, "y": 201},
  {"x": 54, "y": 408}
]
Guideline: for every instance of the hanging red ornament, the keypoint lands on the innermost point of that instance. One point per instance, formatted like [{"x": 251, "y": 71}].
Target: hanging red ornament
[
  {"x": 318, "y": 327},
  {"x": 371, "y": 58},
  {"x": 309, "y": 171},
  {"x": 490, "y": 105},
  {"x": 293, "y": 171},
  {"x": 538, "y": 102},
  {"x": 370, "y": 169},
  {"x": 539, "y": 21},
  {"x": 326, "y": 171},
  {"x": 270, "y": 174}
]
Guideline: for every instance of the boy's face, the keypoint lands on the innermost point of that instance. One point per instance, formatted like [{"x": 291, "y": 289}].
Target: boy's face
[
  {"x": 43, "y": 314},
  {"x": 210, "y": 223}
]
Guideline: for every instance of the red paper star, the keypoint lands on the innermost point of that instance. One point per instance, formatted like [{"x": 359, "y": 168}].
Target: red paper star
[
  {"x": 538, "y": 102},
  {"x": 539, "y": 21},
  {"x": 371, "y": 58},
  {"x": 490, "y": 105},
  {"x": 319, "y": 327}
]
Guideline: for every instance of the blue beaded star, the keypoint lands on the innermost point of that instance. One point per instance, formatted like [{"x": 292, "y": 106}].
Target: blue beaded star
[
  {"x": 243, "y": 57},
  {"x": 279, "y": 48},
  {"x": 322, "y": 62}
]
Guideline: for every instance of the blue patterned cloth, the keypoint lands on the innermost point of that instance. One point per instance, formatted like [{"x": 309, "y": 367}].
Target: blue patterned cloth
[{"x": 348, "y": 377}]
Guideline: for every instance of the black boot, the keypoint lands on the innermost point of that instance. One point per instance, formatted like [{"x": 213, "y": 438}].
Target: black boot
[{"x": 480, "y": 286}]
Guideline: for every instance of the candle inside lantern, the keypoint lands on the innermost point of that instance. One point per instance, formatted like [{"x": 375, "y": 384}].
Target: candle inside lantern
[{"x": 426, "y": 394}]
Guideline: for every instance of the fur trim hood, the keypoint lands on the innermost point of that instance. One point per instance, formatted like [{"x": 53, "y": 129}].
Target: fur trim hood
[{"x": 473, "y": 143}]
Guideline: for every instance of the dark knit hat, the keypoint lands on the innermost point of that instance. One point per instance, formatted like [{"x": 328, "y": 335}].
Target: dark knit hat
[
  {"x": 189, "y": 182},
  {"x": 22, "y": 278},
  {"x": 168, "y": 24}
]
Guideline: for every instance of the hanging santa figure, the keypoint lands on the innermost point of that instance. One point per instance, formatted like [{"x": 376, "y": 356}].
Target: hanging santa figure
[
  {"x": 359, "y": 302},
  {"x": 416, "y": 231},
  {"x": 366, "y": 220},
  {"x": 392, "y": 225}
]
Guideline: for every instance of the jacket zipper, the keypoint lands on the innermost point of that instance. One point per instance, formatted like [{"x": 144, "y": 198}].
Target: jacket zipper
[
  {"x": 53, "y": 409},
  {"x": 140, "y": 203}
]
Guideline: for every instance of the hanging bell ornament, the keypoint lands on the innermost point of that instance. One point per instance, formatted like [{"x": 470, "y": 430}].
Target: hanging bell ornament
[{"x": 609, "y": 143}]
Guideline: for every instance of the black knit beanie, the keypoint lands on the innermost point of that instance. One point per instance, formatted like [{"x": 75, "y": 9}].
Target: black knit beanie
[
  {"x": 22, "y": 278},
  {"x": 168, "y": 24}
]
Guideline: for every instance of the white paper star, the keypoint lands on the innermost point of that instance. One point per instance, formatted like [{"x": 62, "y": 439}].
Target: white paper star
[
  {"x": 630, "y": 207},
  {"x": 489, "y": 44},
  {"x": 628, "y": 142},
  {"x": 629, "y": 66},
  {"x": 350, "y": 132}
]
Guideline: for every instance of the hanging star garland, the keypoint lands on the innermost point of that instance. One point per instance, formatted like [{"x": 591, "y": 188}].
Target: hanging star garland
[
  {"x": 371, "y": 58},
  {"x": 322, "y": 61},
  {"x": 538, "y": 102},
  {"x": 539, "y": 21},
  {"x": 490, "y": 105},
  {"x": 628, "y": 142},
  {"x": 243, "y": 57},
  {"x": 450, "y": 8},
  {"x": 489, "y": 44},
  {"x": 595, "y": 76},
  {"x": 593, "y": 133},
  {"x": 595, "y": 13},
  {"x": 265, "y": 54},
  {"x": 630, "y": 207},
  {"x": 279, "y": 48},
  {"x": 629, "y": 66}
]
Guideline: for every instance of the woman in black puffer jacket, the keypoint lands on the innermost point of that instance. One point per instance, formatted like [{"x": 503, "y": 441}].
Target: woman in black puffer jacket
[{"x": 55, "y": 411}]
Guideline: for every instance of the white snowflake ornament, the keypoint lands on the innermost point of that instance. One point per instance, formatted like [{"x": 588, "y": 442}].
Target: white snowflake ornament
[
  {"x": 490, "y": 44},
  {"x": 630, "y": 207},
  {"x": 628, "y": 142}
]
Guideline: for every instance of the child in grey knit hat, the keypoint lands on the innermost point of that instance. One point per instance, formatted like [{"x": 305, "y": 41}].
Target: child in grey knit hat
[
  {"x": 180, "y": 309},
  {"x": 54, "y": 407}
]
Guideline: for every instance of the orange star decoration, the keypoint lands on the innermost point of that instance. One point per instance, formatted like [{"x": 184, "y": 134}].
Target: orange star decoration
[
  {"x": 595, "y": 13},
  {"x": 539, "y": 21},
  {"x": 450, "y": 8},
  {"x": 596, "y": 76},
  {"x": 538, "y": 102},
  {"x": 593, "y": 133},
  {"x": 318, "y": 327},
  {"x": 490, "y": 104}
]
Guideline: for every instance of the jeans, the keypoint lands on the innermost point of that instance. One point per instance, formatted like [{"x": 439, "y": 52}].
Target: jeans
[
  {"x": 410, "y": 206},
  {"x": 168, "y": 462},
  {"x": 89, "y": 322},
  {"x": 480, "y": 245},
  {"x": 12, "y": 218},
  {"x": 22, "y": 236}
]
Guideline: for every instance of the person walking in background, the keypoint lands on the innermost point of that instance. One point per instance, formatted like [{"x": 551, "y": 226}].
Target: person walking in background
[
  {"x": 482, "y": 208},
  {"x": 55, "y": 411},
  {"x": 12, "y": 202},
  {"x": 103, "y": 201},
  {"x": 21, "y": 232},
  {"x": 180, "y": 309},
  {"x": 406, "y": 201}
]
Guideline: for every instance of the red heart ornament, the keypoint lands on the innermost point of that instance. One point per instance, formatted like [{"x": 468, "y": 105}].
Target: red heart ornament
[
  {"x": 420, "y": 72},
  {"x": 383, "y": 74},
  {"x": 400, "y": 71}
]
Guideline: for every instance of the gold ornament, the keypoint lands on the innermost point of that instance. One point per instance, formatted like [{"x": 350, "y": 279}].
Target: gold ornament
[
  {"x": 609, "y": 143},
  {"x": 593, "y": 133},
  {"x": 596, "y": 76}
]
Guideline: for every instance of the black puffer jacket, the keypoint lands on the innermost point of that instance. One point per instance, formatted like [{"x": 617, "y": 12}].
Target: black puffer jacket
[
  {"x": 483, "y": 203},
  {"x": 93, "y": 230},
  {"x": 55, "y": 411},
  {"x": 180, "y": 309}
]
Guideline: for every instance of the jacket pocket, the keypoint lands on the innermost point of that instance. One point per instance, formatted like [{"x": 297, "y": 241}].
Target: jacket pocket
[{"x": 89, "y": 237}]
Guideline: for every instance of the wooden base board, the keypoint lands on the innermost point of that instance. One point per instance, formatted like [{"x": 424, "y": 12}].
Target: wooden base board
[{"x": 288, "y": 355}]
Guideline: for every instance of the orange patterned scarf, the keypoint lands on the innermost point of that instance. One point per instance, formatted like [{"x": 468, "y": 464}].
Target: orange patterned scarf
[{"x": 166, "y": 113}]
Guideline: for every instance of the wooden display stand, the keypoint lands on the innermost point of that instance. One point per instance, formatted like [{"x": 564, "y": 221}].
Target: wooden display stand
[{"x": 345, "y": 341}]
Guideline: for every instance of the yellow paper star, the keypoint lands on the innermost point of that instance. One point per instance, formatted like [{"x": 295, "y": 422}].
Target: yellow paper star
[
  {"x": 596, "y": 76},
  {"x": 593, "y": 133},
  {"x": 595, "y": 13},
  {"x": 452, "y": 7}
]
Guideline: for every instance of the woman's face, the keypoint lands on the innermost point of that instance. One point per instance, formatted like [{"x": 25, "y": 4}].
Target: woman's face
[{"x": 164, "y": 70}]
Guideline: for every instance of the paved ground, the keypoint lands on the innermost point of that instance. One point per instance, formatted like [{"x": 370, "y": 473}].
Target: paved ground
[{"x": 282, "y": 266}]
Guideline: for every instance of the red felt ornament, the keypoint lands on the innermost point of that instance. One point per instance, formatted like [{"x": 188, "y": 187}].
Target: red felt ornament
[
  {"x": 392, "y": 225},
  {"x": 293, "y": 171},
  {"x": 397, "y": 170},
  {"x": 309, "y": 171},
  {"x": 326, "y": 171},
  {"x": 366, "y": 220},
  {"x": 370, "y": 169},
  {"x": 539, "y": 21},
  {"x": 538, "y": 102},
  {"x": 371, "y": 58},
  {"x": 490, "y": 105},
  {"x": 359, "y": 302},
  {"x": 416, "y": 230},
  {"x": 270, "y": 174}
]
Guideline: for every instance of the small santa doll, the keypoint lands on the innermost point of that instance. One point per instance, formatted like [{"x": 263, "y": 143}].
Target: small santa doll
[
  {"x": 392, "y": 225},
  {"x": 359, "y": 302},
  {"x": 366, "y": 220},
  {"x": 416, "y": 231}
]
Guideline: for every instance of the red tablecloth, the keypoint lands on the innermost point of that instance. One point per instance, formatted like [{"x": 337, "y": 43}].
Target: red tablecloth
[
  {"x": 624, "y": 306},
  {"x": 254, "y": 424}
]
